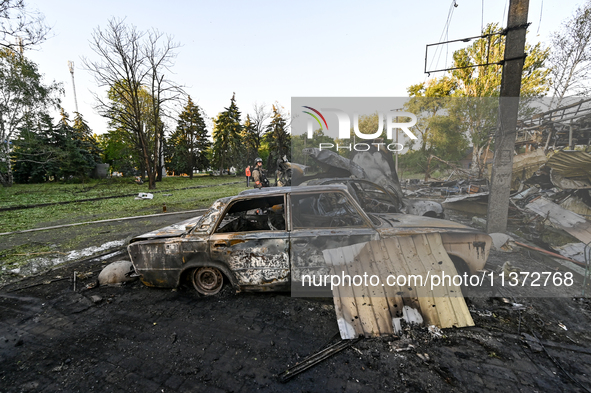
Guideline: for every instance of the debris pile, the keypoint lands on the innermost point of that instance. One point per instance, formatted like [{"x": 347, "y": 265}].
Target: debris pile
[{"x": 550, "y": 205}]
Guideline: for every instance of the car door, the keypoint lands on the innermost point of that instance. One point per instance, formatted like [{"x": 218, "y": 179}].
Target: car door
[
  {"x": 325, "y": 224},
  {"x": 251, "y": 239}
]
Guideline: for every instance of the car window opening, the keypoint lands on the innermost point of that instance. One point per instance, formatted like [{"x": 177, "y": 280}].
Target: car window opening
[
  {"x": 258, "y": 214},
  {"x": 325, "y": 210}
]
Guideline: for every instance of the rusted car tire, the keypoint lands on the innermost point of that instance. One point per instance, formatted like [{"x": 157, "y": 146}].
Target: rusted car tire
[{"x": 207, "y": 280}]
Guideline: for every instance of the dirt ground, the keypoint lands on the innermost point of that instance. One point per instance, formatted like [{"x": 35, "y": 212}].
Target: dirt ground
[{"x": 133, "y": 338}]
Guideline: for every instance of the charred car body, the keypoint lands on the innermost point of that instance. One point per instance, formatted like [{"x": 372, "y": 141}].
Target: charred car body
[
  {"x": 374, "y": 166},
  {"x": 376, "y": 199},
  {"x": 262, "y": 240}
]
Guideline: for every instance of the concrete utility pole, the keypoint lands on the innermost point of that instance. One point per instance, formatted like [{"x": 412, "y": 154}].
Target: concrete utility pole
[{"x": 498, "y": 199}]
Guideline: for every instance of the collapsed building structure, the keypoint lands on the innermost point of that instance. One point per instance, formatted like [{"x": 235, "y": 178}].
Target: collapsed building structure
[{"x": 551, "y": 182}]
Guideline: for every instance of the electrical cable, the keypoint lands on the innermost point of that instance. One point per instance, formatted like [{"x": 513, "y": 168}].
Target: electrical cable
[
  {"x": 444, "y": 35},
  {"x": 540, "y": 22}
]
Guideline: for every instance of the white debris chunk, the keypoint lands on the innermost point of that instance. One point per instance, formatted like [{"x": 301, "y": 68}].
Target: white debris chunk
[
  {"x": 116, "y": 273},
  {"x": 502, "y": 242}
]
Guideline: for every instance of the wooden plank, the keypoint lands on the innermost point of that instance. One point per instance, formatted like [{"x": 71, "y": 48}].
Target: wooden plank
[
  {"x": 453, "y": 293},
  {"x": 572, "y": 223},
  {"x": 373, "y": 310},
  {"x": 436, "y": 309},
  {"x": 344, "y": 298},
  {"x": 369, "y": 318}
]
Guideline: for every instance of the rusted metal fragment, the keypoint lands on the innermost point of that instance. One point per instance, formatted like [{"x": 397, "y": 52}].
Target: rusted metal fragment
[
  {"x": 572, "y": 223},
  {"x": 570, "y": 169},
  {"x": 565, "y": 183},
  {"x": 315, "y": 359},
  {"x": 375, "y": 310},
  {"x": 170, "y": 231},
  {"x": 334, "y": 160},
  {"x": 254, "y": 259},
  {"x": 576, "y": 205},
  {"x": 525, "y": 165},
  {"x": 375, "y": 165},
  {"x": 471, "y": 203},
  {"x": 421, "y": 208},
  {"x": 379, "y": 167}
]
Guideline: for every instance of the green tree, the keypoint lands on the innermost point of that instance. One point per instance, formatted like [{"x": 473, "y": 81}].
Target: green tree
[
  {"x": 189, "y": 143},
  {"x": 123, "y": 114},
  {"x": 227, "y": 146},
  {"x": 477, "y": 87},
  {"x": 43, "y": 151},
  {"x": 277, "y": 138},
  {"x": 441, "y": 133},
  {"x": 24, "y": 100},
  {"x": 73, "y": 161},
  {"x": 119, "y": 150},
  {"x": 34, "y": 155},
  {"x": 251, "y": 140},
  {"x": 485, "y": 81},
  {"x": 88, "y": 140}
]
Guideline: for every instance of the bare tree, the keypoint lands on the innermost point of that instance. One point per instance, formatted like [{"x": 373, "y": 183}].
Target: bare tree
[
  {"x": 570, "y": 59},
  {"x": 259, "y": 119},
  {"x": 162, "y": 90},
  {"x": 20, "y": 27},
  {"x": 132, "y": 65}
]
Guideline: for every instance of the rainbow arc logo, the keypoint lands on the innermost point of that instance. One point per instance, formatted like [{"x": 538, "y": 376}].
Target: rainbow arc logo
[{"x": 315, "y": 117}]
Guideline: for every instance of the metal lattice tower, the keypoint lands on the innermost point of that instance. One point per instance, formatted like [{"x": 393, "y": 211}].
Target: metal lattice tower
[{"x": 71, "y": 67}]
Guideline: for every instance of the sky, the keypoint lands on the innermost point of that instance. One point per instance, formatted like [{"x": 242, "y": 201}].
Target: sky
[{"x": 270, "y": 51}]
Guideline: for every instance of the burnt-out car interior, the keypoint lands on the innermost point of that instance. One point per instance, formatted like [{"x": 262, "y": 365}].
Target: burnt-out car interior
[
  {"x": 371, "y": 197},
  {"x": 257, "y": 214},
  {"x": 324, "y": 210}
]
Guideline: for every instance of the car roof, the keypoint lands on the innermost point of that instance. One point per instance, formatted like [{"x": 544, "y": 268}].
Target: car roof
[
  {"x": 330, "y": 180},
  {"x": 289, "y": 190}
]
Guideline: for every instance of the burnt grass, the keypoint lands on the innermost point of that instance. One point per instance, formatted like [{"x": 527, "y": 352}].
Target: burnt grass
[{"x": 134, "y": 338}]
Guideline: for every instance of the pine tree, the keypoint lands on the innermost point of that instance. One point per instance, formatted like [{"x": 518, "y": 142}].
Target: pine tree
[
  {"x": 77, "y": 159},
  {"x": 34, "y": 157},
  {"x": 88, "y": 140},
  {"x": 278, "y": 139},
  {"x": 251, "y": 141},
  {"x": 190, "y": 142},
  {"x": 227, "y": 146}
]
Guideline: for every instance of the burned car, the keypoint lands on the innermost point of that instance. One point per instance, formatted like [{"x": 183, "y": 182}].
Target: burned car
[
  {"x": 374, "y": 198},
  {"x": 252, "y": 240},
  {"x": 372, "y": 172}
]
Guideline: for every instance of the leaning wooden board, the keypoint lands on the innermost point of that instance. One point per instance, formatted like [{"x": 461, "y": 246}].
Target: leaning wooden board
[{"x": 376, "y": 310}]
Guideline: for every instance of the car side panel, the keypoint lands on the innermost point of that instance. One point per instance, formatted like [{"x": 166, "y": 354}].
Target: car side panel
[
  {"x": 258, "y": 260},
  {"x": 472, "y": 248},
  {"x": 158, "y": 261}
]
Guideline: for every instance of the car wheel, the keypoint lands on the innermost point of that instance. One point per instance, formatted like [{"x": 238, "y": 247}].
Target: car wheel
[{"x": 207, "y": 280}]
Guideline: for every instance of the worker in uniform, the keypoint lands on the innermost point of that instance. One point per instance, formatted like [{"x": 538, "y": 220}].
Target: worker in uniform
[
  {"x": 260, "y": 180},
  {"x": 283, "y": 173},
  {"x": 248, "y": 174}
]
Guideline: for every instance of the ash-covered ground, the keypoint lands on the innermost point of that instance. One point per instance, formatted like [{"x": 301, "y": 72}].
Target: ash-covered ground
[{"x": 134, "y": 338}]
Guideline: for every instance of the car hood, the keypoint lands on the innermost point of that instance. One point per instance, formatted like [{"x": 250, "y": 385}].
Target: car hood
[
  {"x": 407, "y": 223},
  {"x": 174, "y": 230}
]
